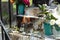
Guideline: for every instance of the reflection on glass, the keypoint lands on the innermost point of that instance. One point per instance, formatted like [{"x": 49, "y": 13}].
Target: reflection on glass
[{"x": 5, "y": 14}]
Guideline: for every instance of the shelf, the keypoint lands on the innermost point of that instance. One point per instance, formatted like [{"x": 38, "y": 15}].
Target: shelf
[{"x": 27, "y": 16}]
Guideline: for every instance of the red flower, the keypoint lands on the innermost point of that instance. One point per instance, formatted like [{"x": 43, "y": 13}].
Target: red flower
[{"x": 26, "y": 2}]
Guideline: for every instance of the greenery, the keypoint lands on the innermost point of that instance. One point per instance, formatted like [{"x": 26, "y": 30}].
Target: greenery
[
  {"x": 57, "y": 27},
  {"x": 49, "y": 16},
  {"x": 5, "y": 17},
  {"x": 44, "y": 10},
  {"x": 14, "y": 28},
  {"x": 14, "y": 7}
]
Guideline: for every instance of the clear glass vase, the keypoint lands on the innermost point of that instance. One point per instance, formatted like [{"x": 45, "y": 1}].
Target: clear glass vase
[{"x": 56, "y": 33}]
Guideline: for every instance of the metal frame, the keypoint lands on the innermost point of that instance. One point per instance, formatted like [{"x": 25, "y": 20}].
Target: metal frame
[
  {"x": 17, "y": 12},
  {"x": 5, "y": 35},
  {"x": 16, "y": 7},
  {"x": 9, "y": 4},
  {"x": 0, "y": 10},
  {"x": 3, "y": 30},
  {"x": 1, "y": 19}
]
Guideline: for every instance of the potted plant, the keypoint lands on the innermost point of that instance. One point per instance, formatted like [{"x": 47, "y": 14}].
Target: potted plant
[{"x": 48, "y": 17}]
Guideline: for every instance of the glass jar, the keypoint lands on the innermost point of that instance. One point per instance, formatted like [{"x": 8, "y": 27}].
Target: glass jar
[
  {"x": 47, "y": 28},
  {"x": 56, "y": 32}
]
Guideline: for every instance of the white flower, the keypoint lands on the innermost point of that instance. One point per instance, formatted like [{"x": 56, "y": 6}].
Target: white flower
[
  {"x": 45, "y": 4},
  {"x": 58, "y": 22},
  {"x": 52, "y": 22}
]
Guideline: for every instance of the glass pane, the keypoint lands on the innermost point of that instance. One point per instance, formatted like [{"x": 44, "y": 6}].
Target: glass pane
[
  {"x": 5, "y": 13},
  {"x": 13, "y": 15}
]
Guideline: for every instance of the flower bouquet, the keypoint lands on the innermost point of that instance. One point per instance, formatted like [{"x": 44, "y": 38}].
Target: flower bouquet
[{"x": 56, "y": 28}]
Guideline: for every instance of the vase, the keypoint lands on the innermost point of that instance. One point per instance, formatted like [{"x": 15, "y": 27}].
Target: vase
[
  {"x": 48, "y": 29},
  {"x": 56, "y": 32},
  {"x": 21, "y": 8}
]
